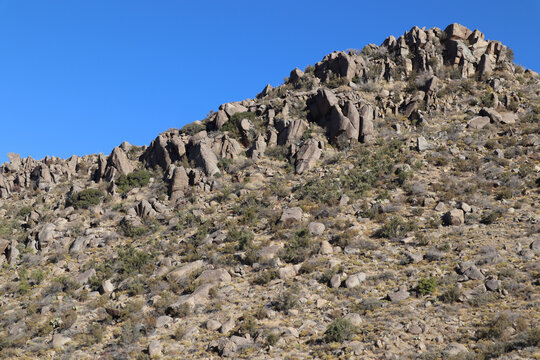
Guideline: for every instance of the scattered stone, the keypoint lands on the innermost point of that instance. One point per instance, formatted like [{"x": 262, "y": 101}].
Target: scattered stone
[
  {"x": 213, "y": 325},
  {"x": 154, "y": 349},
  {"x": 316, "y": 228},
  {"x": 335, "y": 281},
  {"x": 454, "y": 217},
  {"x": 400, "y": 295},
  {"x": 355, "y": 280},
  {"x": 59, "y": 341},
  {"x": 291, "y": 215}
]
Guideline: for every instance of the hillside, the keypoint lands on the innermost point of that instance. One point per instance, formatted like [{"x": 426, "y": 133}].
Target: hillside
[{"x": 380, "y": 204}]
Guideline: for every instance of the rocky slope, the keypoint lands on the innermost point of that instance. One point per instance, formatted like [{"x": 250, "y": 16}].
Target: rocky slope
[{"x": 382, "y": 203}]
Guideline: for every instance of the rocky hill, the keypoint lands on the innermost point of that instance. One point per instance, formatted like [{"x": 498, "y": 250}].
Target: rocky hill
[{"x": 381, "y": 204}]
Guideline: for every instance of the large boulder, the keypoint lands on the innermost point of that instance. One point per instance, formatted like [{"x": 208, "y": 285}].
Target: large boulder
[
  {"x": 291, "y": 215},
  {"x": 454, "y": 217},
  {"x": 456, "y": 31},
  {"x": 179, "y": 183},
  {"x": 307, "y": 155},
  {"x": 367, "y": 130},
  {"x": 118, "y": 160},
  {"x": 292, "y": 132},
  {"x": 204, "y": 157},
  {"x": 478, "y": 122},
  {"x": 226, "y": 147}
]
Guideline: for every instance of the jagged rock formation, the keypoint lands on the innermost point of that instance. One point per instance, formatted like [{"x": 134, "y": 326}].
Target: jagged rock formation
[{"x": 387, "y": 187}]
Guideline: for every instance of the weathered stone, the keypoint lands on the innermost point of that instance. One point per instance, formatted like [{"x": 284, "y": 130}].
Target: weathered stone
[
  {"x": 455, "y": 349},
  {"x": 79, "y": 244},
  {"x": 204, "y": 158},
  {"x": 316, "y": 228},
  {"x": 212, "y": 325},
  {"x": 269, "y": 252},
  {"x": 228, "y": 326},
  {"x": 184, "y": 271},
  {"x": 335, "y": 281},
  {"x": 59, "y": 341},
  {"x": 478, "y": 122},
  {"x": 119, "y": 160},
  {"x": 291, "y": 215},
  {"x": 493, "y": 285},
  {"x": 508, "y": 118},
  {"x": 454, "y": 217},
  {"x": 355, "y": 280},
  {"x": 422, "y": 144},
  {"x": 179, "y": 183},
  {"x": 470, "y": 271},
  {"x": 367, "y": 130},
  {"x": 295, "y": 75},
  {"x": 287, "y": 272},
  {"x": 145, "y": 209},
  {"x": 308, "y": 155},
  {"x": 233, "y": 108},
  {"x": 107, "y": 286},
  {"x": 492, "y": 114},
  {"x": 399, "y": 295},
  {"x": 154, "y": 349},
  {"x": 326, "y": 248},
  {"x": 214, "y": 276},
  {"x": 293, "y": 132}
]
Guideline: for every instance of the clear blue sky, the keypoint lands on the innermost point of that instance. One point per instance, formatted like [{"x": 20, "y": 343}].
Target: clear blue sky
[{"x": 80, "y": 77}]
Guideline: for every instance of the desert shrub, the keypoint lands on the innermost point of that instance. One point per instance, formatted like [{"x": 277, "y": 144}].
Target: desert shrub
[
  {"x": 340, "y": 330},
  {"x": 496, "y": 327},
  {"x": 490, "y": 217},
  {"x": 243, "y": 238},
  {"x": 299, "y": 248},
  {"x": 233, "y": 125},
  {"x": 133, "y": 261},
  {"x": 451, "y": 295},
  {"x": 248, "y": 325},
  {"x": 149, "y": 226},
  {"x": 366, "y": 305},
  {"x": 395, "y": 227},
  {"x": 37, "y": 276},
  {"x": 325, "y": 190},
  {"x": 286, "y": 301},
  {"x": 138, "y": 178},
  {"x": 426, "y": 286},
  {"x": 265, "y": 277},
  {"x": 24, "y": 211},
  {"x": 86, "y": 198},
  {"x": 179, "y": 311},
  {"x": 279, "y": 152},
  {"x": 272, "y": 339},
  {"x": 193, "y": 128}
]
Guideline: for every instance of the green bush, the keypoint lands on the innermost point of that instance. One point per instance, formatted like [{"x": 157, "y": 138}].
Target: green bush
[
  {"x": 426, "y": 286},
  {"x": 286, "y": 301},
  {"x": 265, "y": 277},
  {"x": 298, "y": 249},
  {"x": 233, "y": 125},
  {"x": 193, "y": 128},
  {"x": 24, "y": 211},
  {"x": 340, "y": 330},
  {"x": 243, "y": 238},
  {"x": 396, "y": 227},
  {"x": 86, "y": 198},
  {"x": 318, "y": 190},
  {"x": 490, "y": 217},
  {"x": 138, "y": 178},
  {"x": 451, "y": 295},
  {"x": 133, "y": 261}
]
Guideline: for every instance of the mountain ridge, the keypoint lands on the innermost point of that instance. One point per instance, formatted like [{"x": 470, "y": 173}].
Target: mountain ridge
[{"x": 381, "y": 203}]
